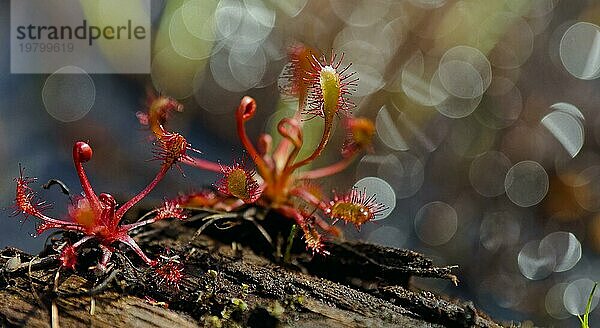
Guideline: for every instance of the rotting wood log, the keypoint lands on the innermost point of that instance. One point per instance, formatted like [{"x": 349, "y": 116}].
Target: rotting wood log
[{"x": 230, "y": 282}]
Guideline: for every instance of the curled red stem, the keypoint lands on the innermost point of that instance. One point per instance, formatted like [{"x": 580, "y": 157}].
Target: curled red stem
[{"x": 246, "y": 111}]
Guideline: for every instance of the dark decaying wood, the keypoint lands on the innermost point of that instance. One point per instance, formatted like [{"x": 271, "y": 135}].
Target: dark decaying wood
[{"x": 233, "y": 278}]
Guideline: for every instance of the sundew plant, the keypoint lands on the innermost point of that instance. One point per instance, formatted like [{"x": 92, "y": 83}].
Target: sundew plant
[
  {"x": 268, "y": 175},
  {"x": 274, "y": 180}
]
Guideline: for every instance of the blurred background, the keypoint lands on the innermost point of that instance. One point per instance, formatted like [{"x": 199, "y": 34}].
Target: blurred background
[{"x": 487, "y": 145}]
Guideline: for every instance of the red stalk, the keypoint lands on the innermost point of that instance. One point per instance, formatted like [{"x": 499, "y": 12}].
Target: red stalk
[
  {"x": 201, "y": 164},
  {"x": 125, "y": 207},
  {"x": 245, "y": 112},
  {"x": 327, "y": 170},
  {"x": 82, "y": 153}
]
